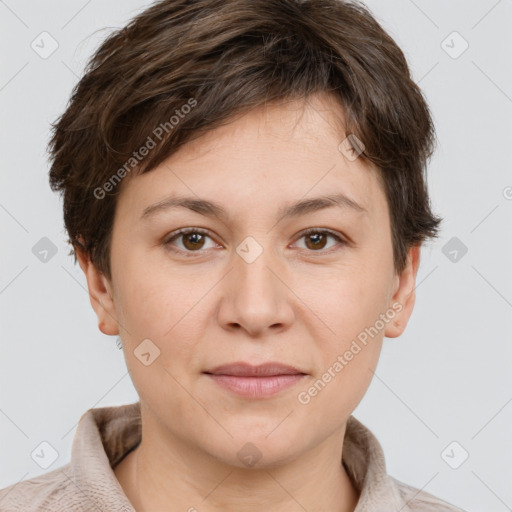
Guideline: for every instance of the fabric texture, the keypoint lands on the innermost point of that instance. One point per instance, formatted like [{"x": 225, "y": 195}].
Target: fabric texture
[{"x": 105, "y": 435}]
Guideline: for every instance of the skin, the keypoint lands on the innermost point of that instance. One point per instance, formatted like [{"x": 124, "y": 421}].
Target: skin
[{"x": 298, "y": 303}]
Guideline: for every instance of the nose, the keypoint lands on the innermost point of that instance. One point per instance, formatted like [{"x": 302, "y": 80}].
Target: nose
[{"x": 256, "y": 298}]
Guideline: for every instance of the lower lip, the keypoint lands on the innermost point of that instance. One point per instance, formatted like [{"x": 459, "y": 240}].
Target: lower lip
[{"x": 256, "y": 387}]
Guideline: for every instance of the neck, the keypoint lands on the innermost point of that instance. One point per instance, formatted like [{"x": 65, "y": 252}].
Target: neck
[{"x": 163, "y": 476}]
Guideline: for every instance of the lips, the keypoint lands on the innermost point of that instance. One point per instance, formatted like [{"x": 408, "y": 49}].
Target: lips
[
  {"x": 242, "y": 369},
  {"x": 255, "y": 382}
]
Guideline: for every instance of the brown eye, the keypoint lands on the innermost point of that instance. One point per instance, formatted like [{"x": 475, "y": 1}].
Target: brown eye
[
  {"x": 317, "y": 239},
  {"x": 193, "y": 240}
]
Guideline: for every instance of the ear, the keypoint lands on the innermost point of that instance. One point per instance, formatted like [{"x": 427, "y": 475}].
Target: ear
[
  {"x": 404, "y": 294},
  {"x": 100, "y": 294}
]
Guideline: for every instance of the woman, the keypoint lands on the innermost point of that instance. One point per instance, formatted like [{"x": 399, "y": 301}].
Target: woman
[{"x": 243, "y": 190}]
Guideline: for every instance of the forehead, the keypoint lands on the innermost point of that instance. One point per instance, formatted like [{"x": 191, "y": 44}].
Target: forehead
[{"x": 261, "y": 160}]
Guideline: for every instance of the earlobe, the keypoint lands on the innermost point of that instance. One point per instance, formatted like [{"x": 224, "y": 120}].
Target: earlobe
[
  {"x": 404, "y": 294},
  {"x": 99, "y": 295}
]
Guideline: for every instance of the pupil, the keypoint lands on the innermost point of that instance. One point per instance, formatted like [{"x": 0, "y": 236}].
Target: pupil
[
  {"x": 194, "y": 241},
  {"x": 317, "y": 238}
]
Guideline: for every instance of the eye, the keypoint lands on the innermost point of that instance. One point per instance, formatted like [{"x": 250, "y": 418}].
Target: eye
[
  {"x": 316, "y": 239},
  {"x": 193, "y": 240}
]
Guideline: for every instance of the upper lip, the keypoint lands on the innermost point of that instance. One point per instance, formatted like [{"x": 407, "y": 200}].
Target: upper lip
[{"x": 242, "y": 369}]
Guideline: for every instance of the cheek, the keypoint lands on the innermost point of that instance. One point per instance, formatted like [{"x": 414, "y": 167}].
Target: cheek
[
  {"x": 348, "y": 301},
  {"x": 153, "y": 298},
  {"x": 167, "y": 309},
  {"x": 155, "y": 307},
  {"x": 352, "y": 304},
  {"x": 348, "y": 357}
]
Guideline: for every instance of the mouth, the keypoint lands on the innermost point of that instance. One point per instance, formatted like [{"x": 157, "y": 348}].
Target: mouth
[
  {"x": 243, "y": 369},
  {"x": 259, "y": 381}
]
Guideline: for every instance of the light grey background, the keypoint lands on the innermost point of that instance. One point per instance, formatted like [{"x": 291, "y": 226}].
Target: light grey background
[{"x": 447, "y": 378}]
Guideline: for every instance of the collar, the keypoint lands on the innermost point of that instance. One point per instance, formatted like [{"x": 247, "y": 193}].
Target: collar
[{"x": 105, "y": 435}]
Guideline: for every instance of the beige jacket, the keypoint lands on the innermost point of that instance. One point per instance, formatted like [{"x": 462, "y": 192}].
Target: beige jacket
[{"x": 104, "y": 435}]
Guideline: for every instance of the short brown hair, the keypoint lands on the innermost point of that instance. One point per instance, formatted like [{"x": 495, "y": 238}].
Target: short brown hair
[{"x": 223, "y": 58}]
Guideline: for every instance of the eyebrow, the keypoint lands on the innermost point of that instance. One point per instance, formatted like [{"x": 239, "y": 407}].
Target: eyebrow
[{"x": 212, "y": 209}]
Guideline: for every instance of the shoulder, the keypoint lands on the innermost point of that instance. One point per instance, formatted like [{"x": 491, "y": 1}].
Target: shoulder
[
  {"x": 422, "y": 501},
  {"x": 52, "y": 491}
]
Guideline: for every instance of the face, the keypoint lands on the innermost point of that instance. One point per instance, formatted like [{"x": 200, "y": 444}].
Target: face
[{"x": 247, "y": 284}]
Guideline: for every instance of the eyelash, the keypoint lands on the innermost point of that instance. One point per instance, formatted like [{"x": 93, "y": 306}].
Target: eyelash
[{"x": 309, "y": 231}]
